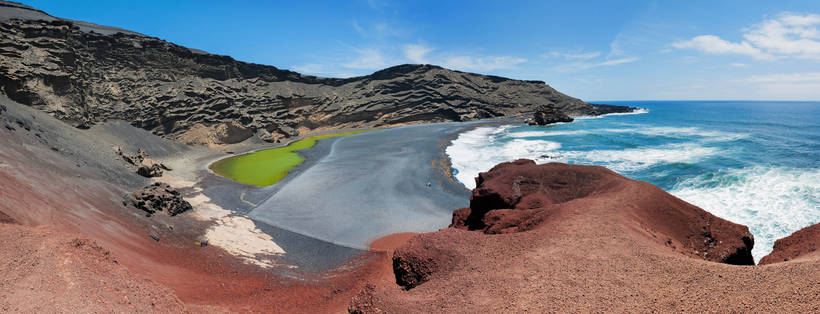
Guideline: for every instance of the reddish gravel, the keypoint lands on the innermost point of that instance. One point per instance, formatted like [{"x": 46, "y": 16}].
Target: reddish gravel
[
  {"x": 48, "y": 271},
  {"x": 602, "y": 245}
]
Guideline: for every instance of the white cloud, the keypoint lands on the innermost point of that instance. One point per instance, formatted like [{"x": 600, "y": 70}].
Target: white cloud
[
  {"x": 368, "y": 59},
  {"x": 616, "y": 61},
  {"x": 785, "y": 86},
  {"x": 715, "y": 45},
  {"x": 789, "y": 35},
  {"x": 805, "y": 77},
  {"x": 582, "y": 55},
  {"x": 738, "y": 65},
  {"x": 482, "y": 64},
  {"x": 578, "y": 66},
  {"x": 310, "y": 68},
  {"x": 417, "y": 53}
]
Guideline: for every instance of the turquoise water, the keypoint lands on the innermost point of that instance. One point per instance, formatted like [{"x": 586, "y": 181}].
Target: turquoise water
[{"x": 753, "y": 163}]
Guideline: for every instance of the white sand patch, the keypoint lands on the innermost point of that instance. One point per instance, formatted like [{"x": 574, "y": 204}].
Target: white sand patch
[{"x": 237, "y": 235}]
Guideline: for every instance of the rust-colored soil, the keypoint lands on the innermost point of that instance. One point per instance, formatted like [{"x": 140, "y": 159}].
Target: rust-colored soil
[{"x": 44, "y": 270}]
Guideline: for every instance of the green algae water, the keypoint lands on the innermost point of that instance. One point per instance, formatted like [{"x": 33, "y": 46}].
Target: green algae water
[{"x": 266, "y": 167}]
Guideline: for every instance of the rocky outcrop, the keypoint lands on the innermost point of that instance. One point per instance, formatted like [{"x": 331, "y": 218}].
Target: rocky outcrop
[
  {"x": 519, "y": 196},
  {"x": 548, "y": 114},
  {"x": 522, "y": 196},
  {"x": 803, "y": 242},
  {"x": 146, "y": 166},
  {"x": 158, "y": 197},
  {"x": 84, "y": 78}
]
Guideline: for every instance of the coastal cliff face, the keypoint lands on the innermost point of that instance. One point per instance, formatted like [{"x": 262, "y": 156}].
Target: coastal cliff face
[{"x": 85, "y": 74}]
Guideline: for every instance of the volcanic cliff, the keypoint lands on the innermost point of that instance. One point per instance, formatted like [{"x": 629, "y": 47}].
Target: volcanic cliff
[{"x": 84, "y": 74}]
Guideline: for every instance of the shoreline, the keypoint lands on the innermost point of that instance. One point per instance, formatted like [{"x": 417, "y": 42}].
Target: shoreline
[{"x": 295, "y": 186}]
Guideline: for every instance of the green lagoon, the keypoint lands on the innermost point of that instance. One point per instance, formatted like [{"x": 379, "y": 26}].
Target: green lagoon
[{"x": 266, "y": 167}]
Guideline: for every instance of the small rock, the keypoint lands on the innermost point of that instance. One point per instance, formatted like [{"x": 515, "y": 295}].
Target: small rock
[{"x": 147, "y": 171}]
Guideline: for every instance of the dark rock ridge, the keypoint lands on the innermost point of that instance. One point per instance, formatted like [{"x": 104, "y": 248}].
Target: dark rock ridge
[
  {"x": 803, "y": 242},
  {"x": 85, "y": 75},
  {"x": 158, "y": 197},
  {"x": 548, "y": 114}
]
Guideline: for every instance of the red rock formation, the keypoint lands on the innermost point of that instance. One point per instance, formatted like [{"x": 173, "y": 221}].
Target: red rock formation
[
  {"x": 562, "y": 238},
  {"x": 519, "y": 196},
  {"x": 803, "y": 242}
]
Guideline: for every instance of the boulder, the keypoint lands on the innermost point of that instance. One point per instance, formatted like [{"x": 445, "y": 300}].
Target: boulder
[
  {"x": 158, "y": 197},
  {"x": 548, "y": 114},
  {"x": 150, "y": 171},
  {"x": 146, "y": 166}
]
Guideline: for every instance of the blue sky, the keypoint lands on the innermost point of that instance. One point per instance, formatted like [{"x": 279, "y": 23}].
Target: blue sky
[{"x": 606, "y": 50}]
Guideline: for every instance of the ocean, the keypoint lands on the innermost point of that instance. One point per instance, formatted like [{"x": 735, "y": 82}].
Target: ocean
[{"x": 751, "y": 162}]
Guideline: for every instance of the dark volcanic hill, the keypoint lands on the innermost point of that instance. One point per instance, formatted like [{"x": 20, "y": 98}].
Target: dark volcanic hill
[{"x": 84, "y": 73}]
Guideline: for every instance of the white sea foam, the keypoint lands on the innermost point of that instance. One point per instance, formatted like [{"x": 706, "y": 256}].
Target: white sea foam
[
  {"x": 479, "y": 150},
  {"x": 637, "y": 111},
  {"x": 625, "y": 160},
  {"x": 676, "y": 132},
  {"x": 679, "y": 132},
  {"x": 546, "y": 133},
  {"x": 772, "y": 202}
]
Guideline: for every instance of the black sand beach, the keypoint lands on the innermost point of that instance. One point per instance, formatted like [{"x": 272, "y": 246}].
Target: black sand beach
[{"x": 369, "y": 185}]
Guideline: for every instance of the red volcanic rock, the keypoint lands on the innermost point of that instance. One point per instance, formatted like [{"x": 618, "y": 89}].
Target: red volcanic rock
[
  {"x": 803, "y": 242},
  {"x": 520, "y": 196},
  {"x": 517, "y": 196}
]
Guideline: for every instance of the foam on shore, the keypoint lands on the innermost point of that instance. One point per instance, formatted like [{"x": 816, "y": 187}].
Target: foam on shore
[
  {"x": 636, "y": 111},
  {"x": 479, "y": 150},
  {"x": 772, "y": 202}
]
